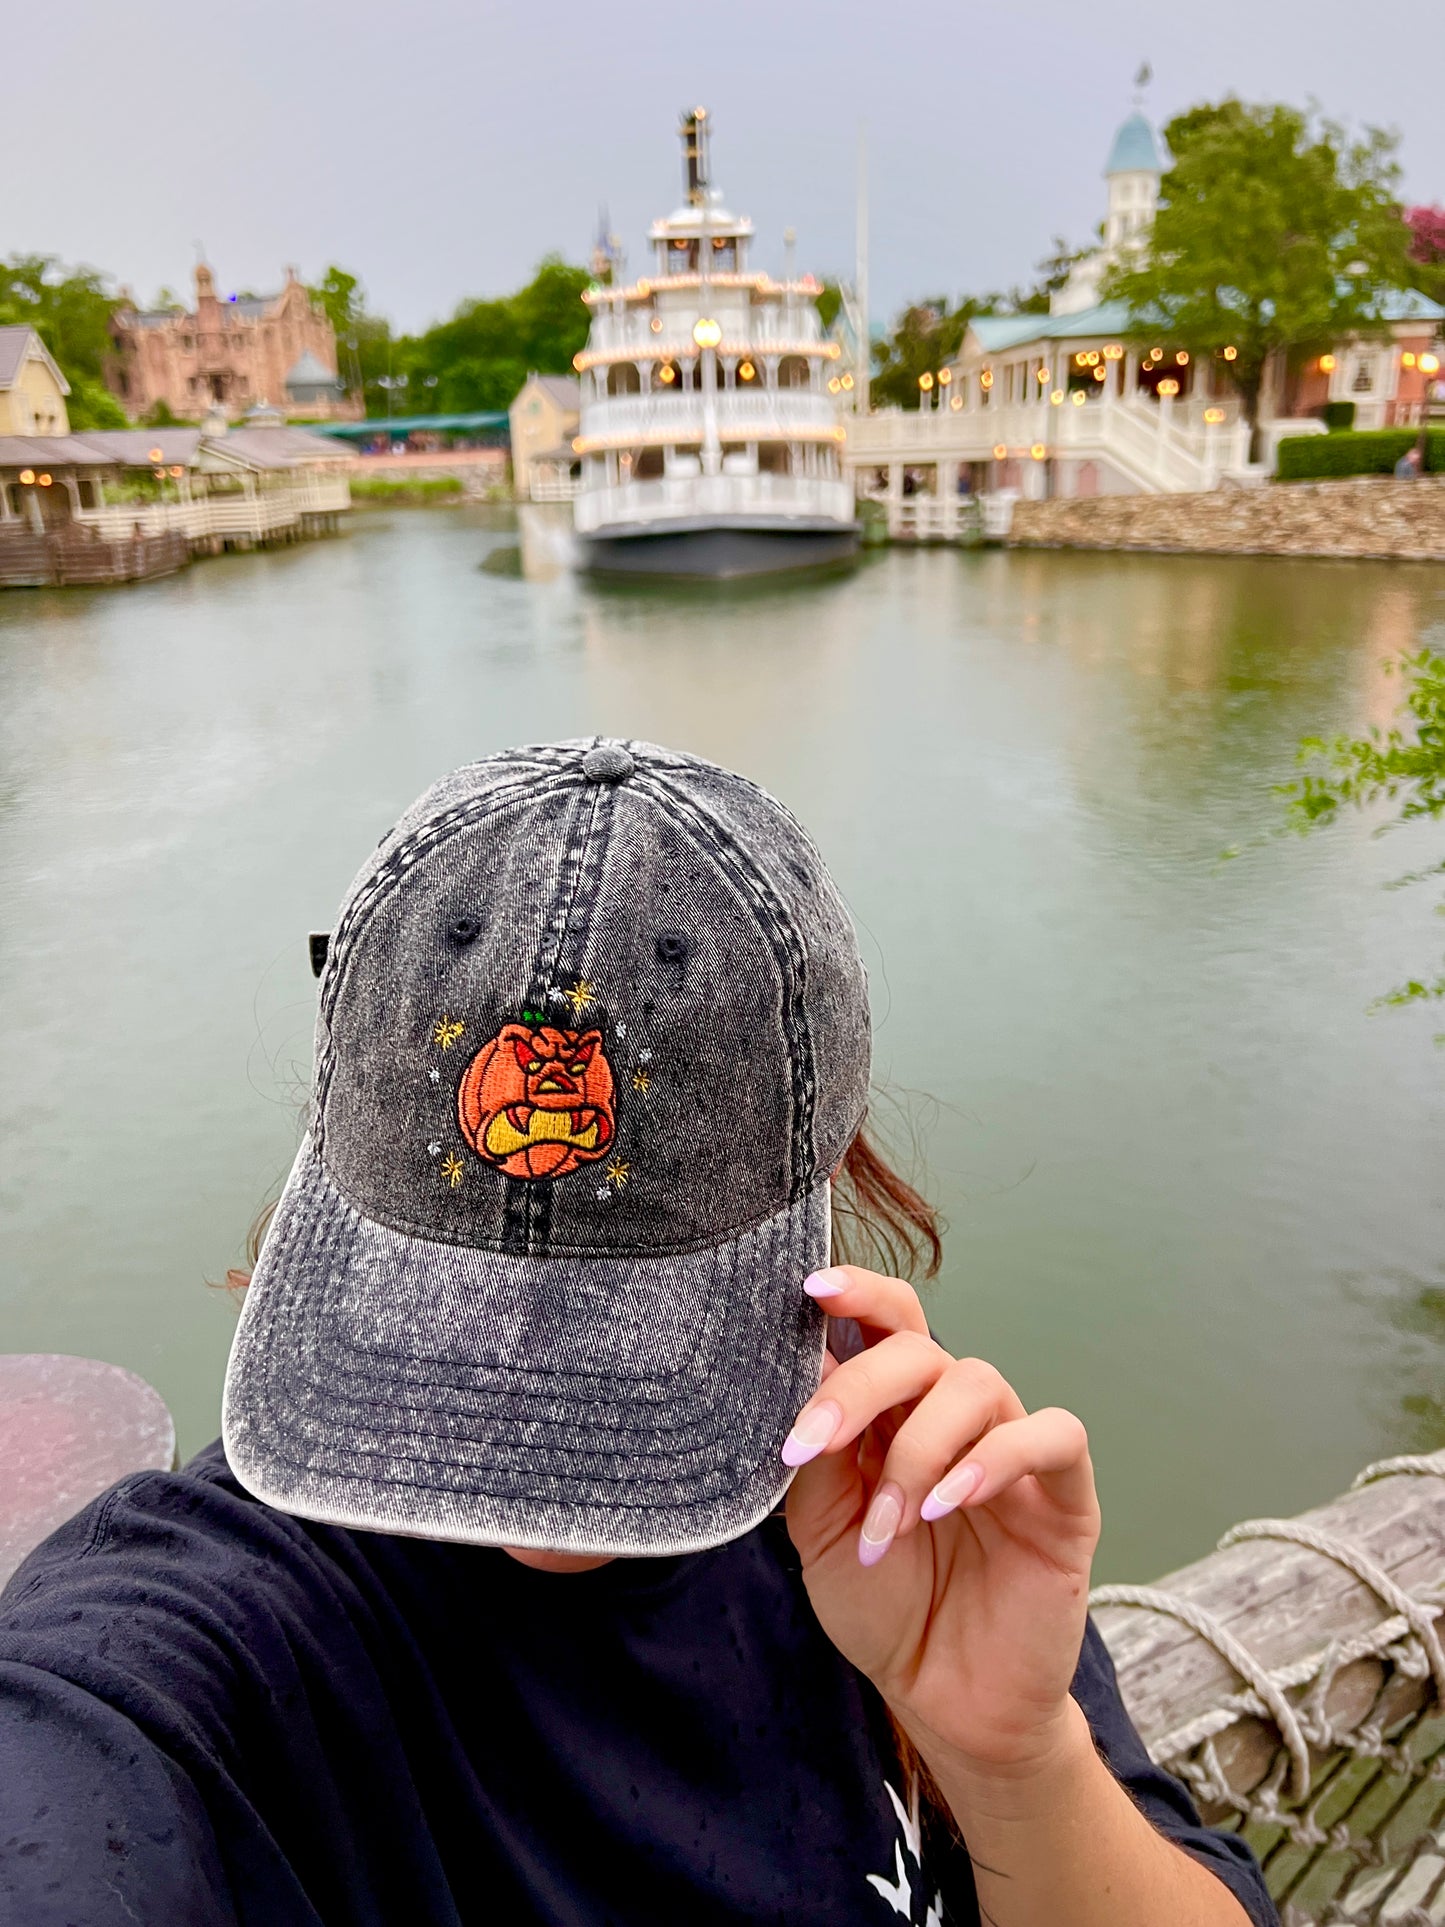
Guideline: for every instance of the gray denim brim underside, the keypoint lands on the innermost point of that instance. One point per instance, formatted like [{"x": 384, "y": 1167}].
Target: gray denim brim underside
[{"x": 629, "y": 1406}]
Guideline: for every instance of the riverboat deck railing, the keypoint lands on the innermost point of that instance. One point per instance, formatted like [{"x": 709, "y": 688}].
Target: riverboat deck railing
[
  {"x": 1295, "y": 1679},
  {"x": 743, "y": 414},
  {"x": 770, "y": 329},
  {"x": 711, "y": 495}
]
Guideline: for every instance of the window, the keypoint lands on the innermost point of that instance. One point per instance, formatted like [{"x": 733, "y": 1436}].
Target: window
[{"x": 1364, "y": 381}]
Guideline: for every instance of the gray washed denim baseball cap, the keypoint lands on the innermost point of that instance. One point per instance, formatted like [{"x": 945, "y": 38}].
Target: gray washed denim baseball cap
[{"x": 593, "y": 1034}]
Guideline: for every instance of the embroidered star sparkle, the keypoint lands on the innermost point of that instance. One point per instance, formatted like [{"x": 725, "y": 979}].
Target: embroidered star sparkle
[
  {"x": 582, "y": 996},
  {"x": 617, "y": 1173},
  {"x": 448, "y": 1030},
  {"x": 640, "y": 1081},
  {"x": 452, "y": 1169}
]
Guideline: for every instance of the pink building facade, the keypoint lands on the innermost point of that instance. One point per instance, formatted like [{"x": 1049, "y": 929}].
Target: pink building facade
[{"x": 231, "y": 353}]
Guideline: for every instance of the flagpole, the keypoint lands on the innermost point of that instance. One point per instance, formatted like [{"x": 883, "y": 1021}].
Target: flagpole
[{"x": 860, "y": 281}]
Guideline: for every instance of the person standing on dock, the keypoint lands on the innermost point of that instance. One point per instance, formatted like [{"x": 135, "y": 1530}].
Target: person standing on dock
[{"x": 590, "y": 1542}]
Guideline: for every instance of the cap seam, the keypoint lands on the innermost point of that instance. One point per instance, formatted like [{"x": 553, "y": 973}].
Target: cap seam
[
  {"x": 357, "y": 914},
  {"x": 791, "y": 954}
]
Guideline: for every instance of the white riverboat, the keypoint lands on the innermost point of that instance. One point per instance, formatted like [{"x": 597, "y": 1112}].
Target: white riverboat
[{"x": 711, "y": 425}]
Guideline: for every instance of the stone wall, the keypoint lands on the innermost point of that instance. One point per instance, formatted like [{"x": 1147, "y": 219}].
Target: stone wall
[{"x": 1364, "y": 516}]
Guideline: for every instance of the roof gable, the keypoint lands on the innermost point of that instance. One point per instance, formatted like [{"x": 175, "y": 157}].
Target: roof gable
[
  {"x": 565, "y": 390},
  {"x": 19, "y": 344}
]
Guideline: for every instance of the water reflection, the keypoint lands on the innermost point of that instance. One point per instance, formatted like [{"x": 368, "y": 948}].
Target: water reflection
[{"x": 1167, "y": 1134}]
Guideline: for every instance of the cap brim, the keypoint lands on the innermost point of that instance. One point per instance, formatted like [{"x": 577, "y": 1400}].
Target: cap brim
[{"x": 392, "y": 1383}]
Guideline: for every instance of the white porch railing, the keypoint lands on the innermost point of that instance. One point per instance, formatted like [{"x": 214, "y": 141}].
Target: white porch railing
[
  {"x": 264, "y": 513},
  {"x": 676, "y": 496},
  {"x": 1152, "y": 446},
  {"x": 771, "y": 413},
  {"x": 553, "y": 488},
  {"x": 323, "y": 494},
  {"x": 934, "y": 518}
]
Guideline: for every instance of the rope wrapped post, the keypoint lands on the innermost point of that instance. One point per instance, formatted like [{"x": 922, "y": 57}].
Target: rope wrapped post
[{"x": 1295, "y": 1678}]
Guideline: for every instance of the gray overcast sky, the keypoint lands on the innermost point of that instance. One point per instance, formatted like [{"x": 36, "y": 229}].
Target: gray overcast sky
[{"x": 438, "y": 149}]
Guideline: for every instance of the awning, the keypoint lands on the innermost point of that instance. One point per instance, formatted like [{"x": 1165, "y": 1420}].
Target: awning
[{"x": 407, "y": 424}]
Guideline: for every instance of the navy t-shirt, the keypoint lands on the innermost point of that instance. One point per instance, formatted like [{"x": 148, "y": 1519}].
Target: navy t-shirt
[{"x": 213, "y": 1713}]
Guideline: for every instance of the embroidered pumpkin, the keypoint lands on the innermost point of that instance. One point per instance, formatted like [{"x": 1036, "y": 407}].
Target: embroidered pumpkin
[{"x": 538, "y": 1102}]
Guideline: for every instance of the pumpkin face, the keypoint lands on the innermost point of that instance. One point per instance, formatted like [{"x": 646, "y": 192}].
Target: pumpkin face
[{"x": 538, "y": 1102}]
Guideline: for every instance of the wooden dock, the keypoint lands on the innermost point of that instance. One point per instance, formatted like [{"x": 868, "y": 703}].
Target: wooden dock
[{"x": 69, "y": 557}]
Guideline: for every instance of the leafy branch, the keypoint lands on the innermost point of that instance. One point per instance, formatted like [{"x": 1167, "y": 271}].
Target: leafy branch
[{"x": 1404, "y": 764}]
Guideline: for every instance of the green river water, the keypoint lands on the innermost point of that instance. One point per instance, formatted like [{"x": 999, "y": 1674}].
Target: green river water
[{"x": 1194, "y": 1189}]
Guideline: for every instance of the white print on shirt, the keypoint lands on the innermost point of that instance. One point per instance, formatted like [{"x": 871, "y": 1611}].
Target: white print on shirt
[{"x": 898, "y": 1892}]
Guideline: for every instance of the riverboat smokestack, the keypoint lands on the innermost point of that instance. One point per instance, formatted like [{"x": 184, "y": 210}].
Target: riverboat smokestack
[{"x": 694, "y": 155}]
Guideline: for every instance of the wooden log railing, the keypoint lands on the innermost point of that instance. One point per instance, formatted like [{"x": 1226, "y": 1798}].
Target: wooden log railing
[{"x": 1295, "y": 1679}]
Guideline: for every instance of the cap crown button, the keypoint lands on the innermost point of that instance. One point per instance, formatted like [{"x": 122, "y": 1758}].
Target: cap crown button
[{"x": 607, "y": 763}]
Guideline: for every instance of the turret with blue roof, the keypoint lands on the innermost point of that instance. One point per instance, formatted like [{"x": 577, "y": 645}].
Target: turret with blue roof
[{"x": 1137, "y": 149}]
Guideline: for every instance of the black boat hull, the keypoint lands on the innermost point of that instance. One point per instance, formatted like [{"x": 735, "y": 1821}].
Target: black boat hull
[{"x": 716, "y": 551}]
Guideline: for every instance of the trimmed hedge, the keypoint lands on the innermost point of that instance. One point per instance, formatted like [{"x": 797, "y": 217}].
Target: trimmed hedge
[
  {"x": 1367, "y": 451},
  {"x": 405, "y": 488}
]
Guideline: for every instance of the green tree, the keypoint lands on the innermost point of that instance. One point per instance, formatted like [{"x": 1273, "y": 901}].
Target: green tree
[
  {"x": 1053, "y": 271},
  {"x": 339, "y": 294},
  {"x": 828, "y": 301},
  {"x": 481, "y": 356},
  {"x": 550, "y": 319},
  {"x": 69, "y": 309},
  {"x": 921, "y": 340},
  {"x": 90, "y": 404},
  {"x": 1275, "y": 233},
  {"x": 1402, "y": 765},
  {"x": 363, "y": 340}
]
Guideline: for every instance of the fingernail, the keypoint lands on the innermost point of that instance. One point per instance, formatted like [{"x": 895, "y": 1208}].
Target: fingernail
[
  {"x": 879, "y": 1526},
  {"x": 956, "y": 1486},
  {"x": 812, "y": 1432},
  {"x": 823, "y": 1284}
]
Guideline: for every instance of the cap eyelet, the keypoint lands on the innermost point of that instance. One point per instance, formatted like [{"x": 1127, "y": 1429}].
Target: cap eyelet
[
  {"x": 463, "y": 930},
  {"x": 672, "y": 947}
]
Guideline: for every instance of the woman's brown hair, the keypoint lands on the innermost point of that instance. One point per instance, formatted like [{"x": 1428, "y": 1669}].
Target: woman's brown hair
[{"x": 879, "y": 1219}]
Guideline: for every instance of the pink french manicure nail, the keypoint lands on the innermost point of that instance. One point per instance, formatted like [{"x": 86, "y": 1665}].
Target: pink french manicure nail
[
  {"x": 822, "y": 1284},
  {"x": 883, "y": 1519},
  {"x": 956, "y": 1486},
  {"x": 812, "y": 1432}
]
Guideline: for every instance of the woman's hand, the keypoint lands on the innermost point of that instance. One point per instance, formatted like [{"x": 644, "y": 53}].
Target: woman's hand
[{"x": 946, "y": 1534}]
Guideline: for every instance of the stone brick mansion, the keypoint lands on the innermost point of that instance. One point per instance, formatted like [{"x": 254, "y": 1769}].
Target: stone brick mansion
[{"x": 234, "y": 353}]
